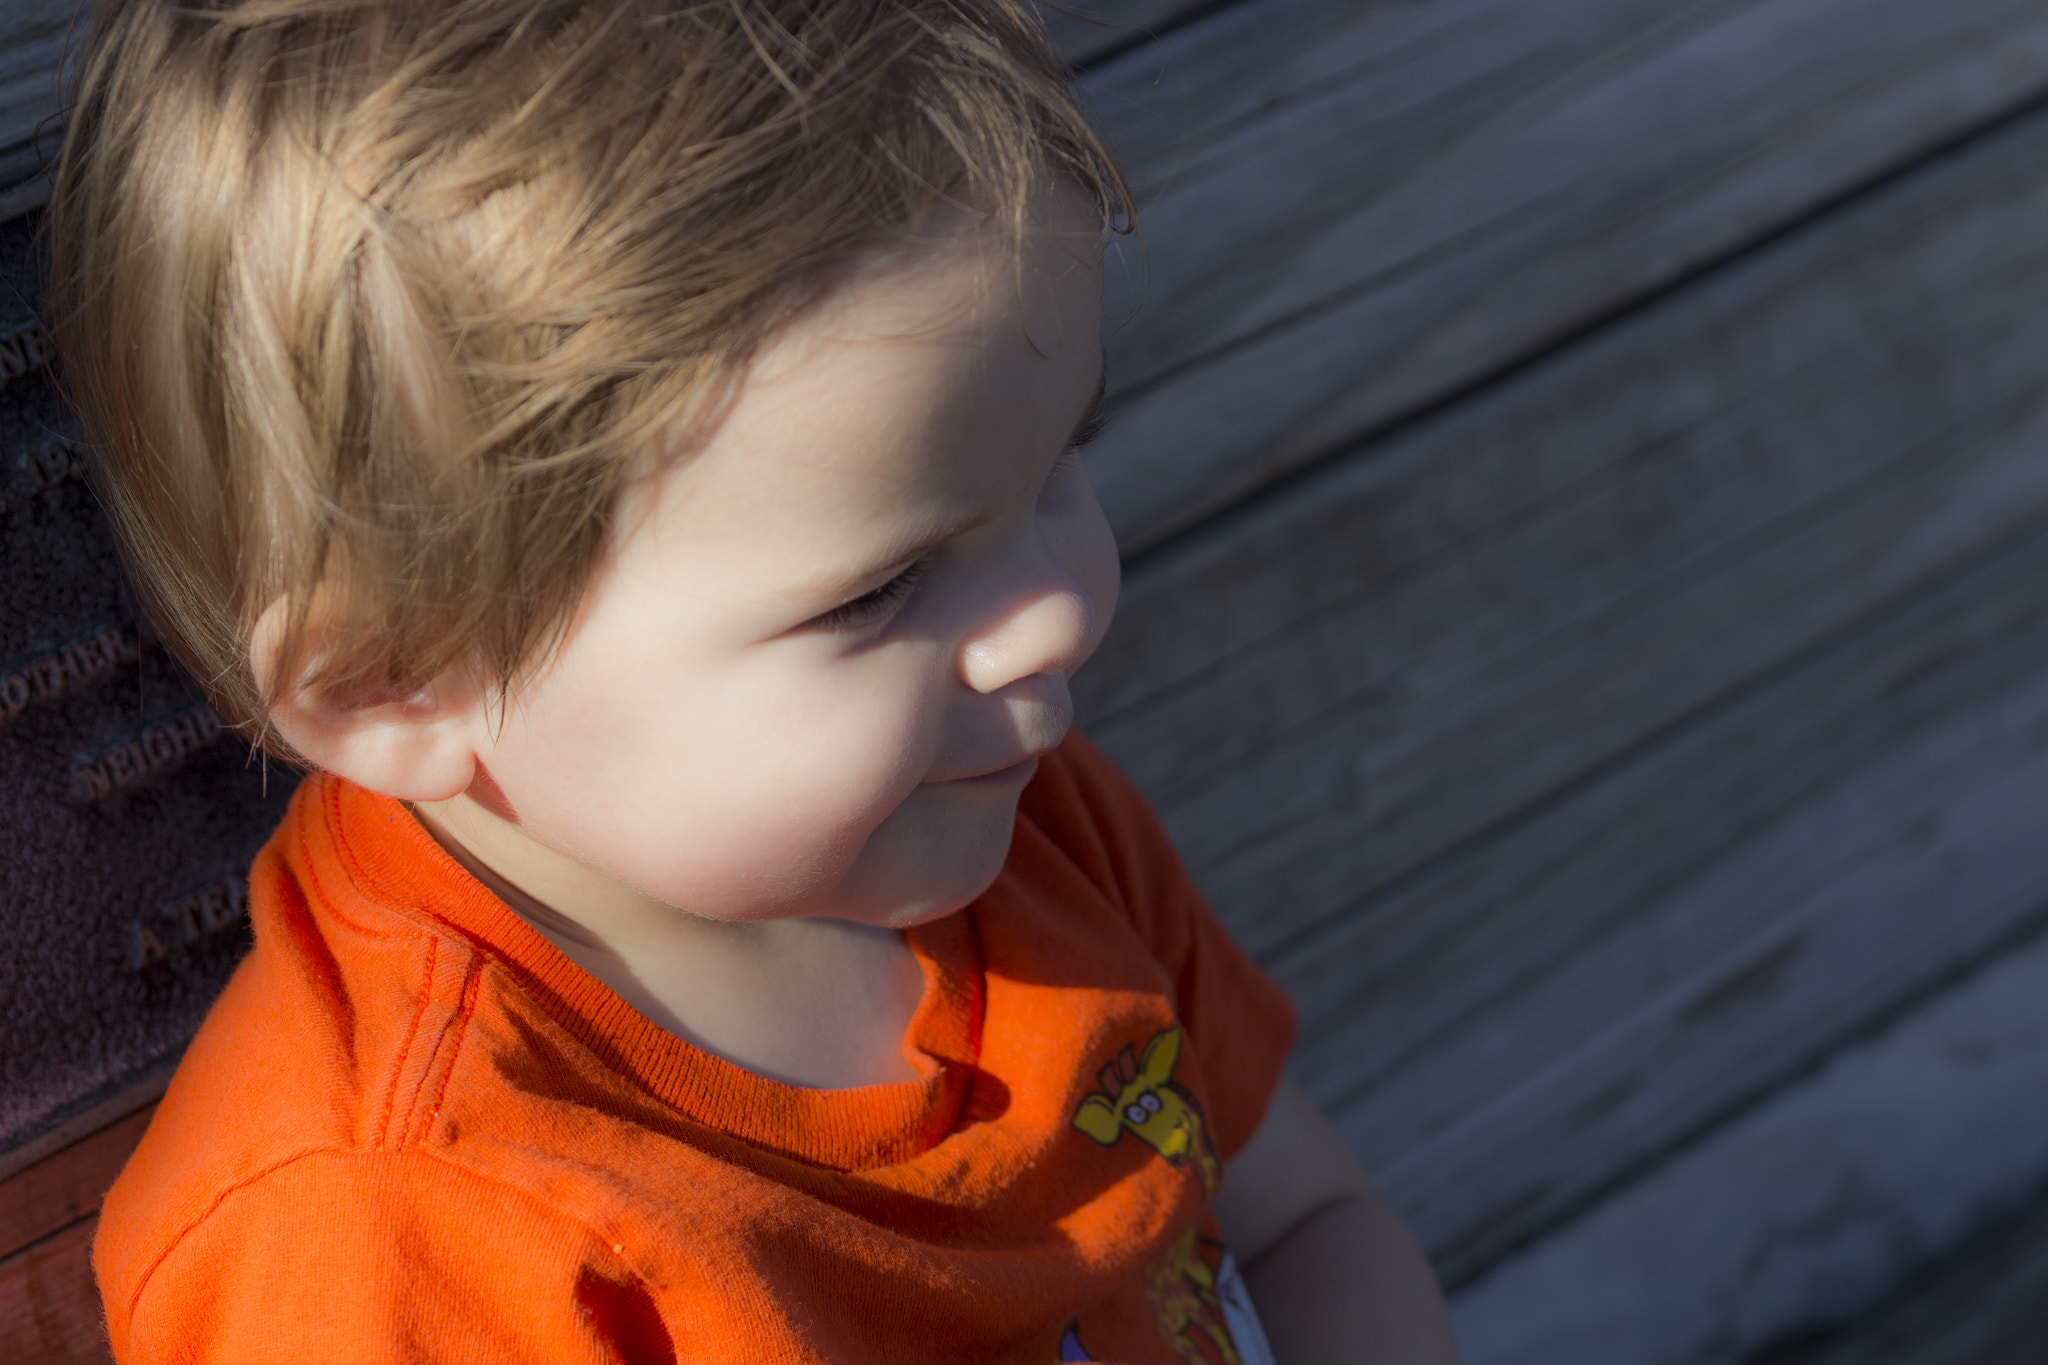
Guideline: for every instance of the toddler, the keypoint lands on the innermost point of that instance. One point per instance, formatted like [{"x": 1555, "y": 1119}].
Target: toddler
[{"x": 628, "y": 451}]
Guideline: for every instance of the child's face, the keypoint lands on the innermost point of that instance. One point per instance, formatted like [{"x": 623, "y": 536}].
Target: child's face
[{"x": 818, "y": 663}]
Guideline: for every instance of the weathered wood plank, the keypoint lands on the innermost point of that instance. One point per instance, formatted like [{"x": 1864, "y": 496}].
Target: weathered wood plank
[
  {"x": 1922, "y": 858},
  {"x": 1984, "y": 1304},
  {"x": 1392, "y": 991},
  {"x": 67, "y": 1186},
  {"x": 1431, "y": 192},
  {"x": 49, "y": 1301},
  {"x": 1544, "y": 461},
  {"x": 1807, "y": 1209},
  {"x": 1384, "y": 1000},
  {"x": 142, "y": 1093},
  {"x": 1757, "y": 466},
  {"x": 33, "y": 37},
  {"x": 1085, "y": 34},
  {"x": 1427, "y": 639},
  {"x": 1484, "y": 748},
  {"x": 49, "y": 1307}
]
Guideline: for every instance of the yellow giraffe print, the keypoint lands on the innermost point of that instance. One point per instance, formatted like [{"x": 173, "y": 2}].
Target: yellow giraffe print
[{"x": 1139, "y": 1095}]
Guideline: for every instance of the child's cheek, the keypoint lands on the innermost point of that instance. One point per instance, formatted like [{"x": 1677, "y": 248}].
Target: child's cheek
[{"x": 772, "y": 786}]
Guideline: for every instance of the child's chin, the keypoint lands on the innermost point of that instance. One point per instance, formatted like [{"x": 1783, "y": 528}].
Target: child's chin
[
  {"x": 926, "y": 899},
  {"x": 931, "y": 857}
]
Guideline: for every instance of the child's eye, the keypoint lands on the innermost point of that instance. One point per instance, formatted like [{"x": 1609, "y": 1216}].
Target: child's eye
[
  {"x": 870, "y": 607},
  {"x": 1067, "y": 463},
  {"x": 1070, "y": 458}
]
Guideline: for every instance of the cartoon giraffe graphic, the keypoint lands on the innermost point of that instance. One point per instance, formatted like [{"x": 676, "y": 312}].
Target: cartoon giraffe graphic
[
  {"x": 1183, "y": 1290},
  {"x": 1191, "y": 1284},
  {"x": 1139, "y": 1095}
]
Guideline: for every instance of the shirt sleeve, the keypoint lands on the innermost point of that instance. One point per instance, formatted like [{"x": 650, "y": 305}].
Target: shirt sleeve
[
  {"x": 370, "y": 1257},
  {"x": 1237, "y": 1019}
]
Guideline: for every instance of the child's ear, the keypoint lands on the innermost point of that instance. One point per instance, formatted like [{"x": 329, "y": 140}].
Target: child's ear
[{"x": 418, "y": 748}]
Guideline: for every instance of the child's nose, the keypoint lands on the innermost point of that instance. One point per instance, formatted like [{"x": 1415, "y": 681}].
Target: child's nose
[{"x": 1048, "y": 632}]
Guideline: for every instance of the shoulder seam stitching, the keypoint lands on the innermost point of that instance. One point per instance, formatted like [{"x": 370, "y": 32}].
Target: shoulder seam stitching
[
  {"x": 422, "y": 997},
  {"x": 446, "y": 1049},
  {"x": 172, "y": 1244}
]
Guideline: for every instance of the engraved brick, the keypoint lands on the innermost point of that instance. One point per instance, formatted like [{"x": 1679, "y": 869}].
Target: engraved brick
[
  {"x": 144, "y": 947},
  {"x": 66, "y": 669},
  {"x": 57, "y": 459},
  {"x": 213, "y": 909},
  {"x": 23, "y": 350},
  {"x": 55, "y": 673},
  {"x": 136, "y": 760},
  {"x": 183, "y": 917},
  {"x": 224, "y": 904},
  {"x": 124, "y": 765}
]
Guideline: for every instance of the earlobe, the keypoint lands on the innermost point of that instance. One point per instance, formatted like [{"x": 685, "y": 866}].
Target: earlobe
[
  {"x": 418, "y": 748},
  {"x": 408, "y": 750}
]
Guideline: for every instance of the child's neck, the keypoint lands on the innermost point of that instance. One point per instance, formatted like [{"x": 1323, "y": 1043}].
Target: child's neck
[{"x": 810, "y": 1002}]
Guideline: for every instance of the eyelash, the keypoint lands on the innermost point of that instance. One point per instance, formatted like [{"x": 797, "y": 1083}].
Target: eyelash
[
  {"x": 872, "y": 606},
  {"x": 1070, "y": 458}
]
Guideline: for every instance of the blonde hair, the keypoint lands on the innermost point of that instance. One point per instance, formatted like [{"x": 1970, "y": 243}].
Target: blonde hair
[{"x": 382, "y": 302}]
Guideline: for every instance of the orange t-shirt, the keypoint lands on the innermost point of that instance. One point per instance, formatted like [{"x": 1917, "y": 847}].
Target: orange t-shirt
[{"x": 412, "y": 1130}]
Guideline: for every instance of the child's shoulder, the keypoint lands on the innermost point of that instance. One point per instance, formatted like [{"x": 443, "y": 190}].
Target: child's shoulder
[
  {"x": 326, "y": 1035},
  {"x": 323, "y": 1093}
]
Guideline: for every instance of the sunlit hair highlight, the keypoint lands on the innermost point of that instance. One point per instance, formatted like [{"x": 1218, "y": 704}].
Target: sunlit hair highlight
[{"x": 372, "y": 307}]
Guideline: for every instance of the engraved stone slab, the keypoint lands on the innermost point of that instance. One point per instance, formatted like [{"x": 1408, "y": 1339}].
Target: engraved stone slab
[{"x": 127, "y": 816}]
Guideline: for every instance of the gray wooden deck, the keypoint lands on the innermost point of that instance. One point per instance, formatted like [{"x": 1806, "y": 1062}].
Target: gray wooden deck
[{"x": 1583, "y": 470}]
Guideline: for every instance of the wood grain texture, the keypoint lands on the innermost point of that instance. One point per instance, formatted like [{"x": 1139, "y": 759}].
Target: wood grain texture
[
  {"x": 1352, "y": 213},
  {"x": 1390, "y": 991},
  {"x": 142, "y": 1093},
  {"x": 33, "y": 37},
  {"x": 1085, "y": 33},
  {"x": 49, "y": 1305},
  {"x": 1429, "y": 638},
  {"x": 1851, "y": 852},
  {"x": 1494, "y": 762},
  {"x": 1806, "y": 1210},
  {"x": 1986, "y": 1303},
  {"x": 66, "y": 1187}
]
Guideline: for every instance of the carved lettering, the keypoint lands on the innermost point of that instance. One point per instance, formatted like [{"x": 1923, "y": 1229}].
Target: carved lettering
[
  {"x": 66, "y": 669},
  {"x": 54, "y": 460},
  {"x": 144, "y": 947},
  {"x": 24, "y": 349},
  {"x": 215, "y": 909},
  {"x": 141, "y": 757}
]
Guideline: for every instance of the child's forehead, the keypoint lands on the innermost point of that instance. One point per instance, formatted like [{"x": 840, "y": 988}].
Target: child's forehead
[
  {"x": 924, "y": 391},
  {"x": 962, "y": 279}
]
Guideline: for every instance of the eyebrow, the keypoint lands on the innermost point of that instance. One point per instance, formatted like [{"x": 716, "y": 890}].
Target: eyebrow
[{"x": 1085, "y": 429}]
